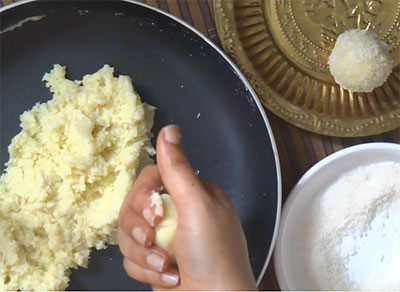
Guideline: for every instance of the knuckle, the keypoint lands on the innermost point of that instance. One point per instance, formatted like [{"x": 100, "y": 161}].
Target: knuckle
[
  {"x": 135, "y": 201},
  {"x": 227, "y": 204},
  {"x": 129, "y": 269},
  {"x": 144, "y": 190},
  {"x": 126, "y": 265},
  {"x": 148, "y": 170},
  {"x": 178, "y": 163},
  {"x": 119, "y": 235},
  {"x": 122, "y": 215},
  {"x": 125, "y": 249},
  {"x": 206, "y": 204},
  {"x": 126, "y": 222},
  {"x": 219, "y": 191},
  {"x": 137, "y": 273}
]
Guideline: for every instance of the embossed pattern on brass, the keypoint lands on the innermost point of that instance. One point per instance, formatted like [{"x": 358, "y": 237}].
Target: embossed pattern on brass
[{"x": 282, "y": 47}]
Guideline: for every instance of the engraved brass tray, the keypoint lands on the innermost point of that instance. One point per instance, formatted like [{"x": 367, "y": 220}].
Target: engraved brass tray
[{"x": 282, "y": 47}]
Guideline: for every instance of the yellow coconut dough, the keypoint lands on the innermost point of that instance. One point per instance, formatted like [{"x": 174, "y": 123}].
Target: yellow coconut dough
[
  {"x": 70, "y": 168},
  {"x": 359, "y": 61},
  {"x": 165, "y": 229}
]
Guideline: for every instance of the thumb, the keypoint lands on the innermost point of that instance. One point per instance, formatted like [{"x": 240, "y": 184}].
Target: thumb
[{"x": 176, "y": 172}]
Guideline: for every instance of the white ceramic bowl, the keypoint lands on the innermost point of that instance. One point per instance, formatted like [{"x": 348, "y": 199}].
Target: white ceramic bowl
[{"x": 288, "y": 265}]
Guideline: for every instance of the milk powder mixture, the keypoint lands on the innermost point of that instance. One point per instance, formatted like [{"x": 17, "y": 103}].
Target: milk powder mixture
[
  {"x": 69, "y": 170},
  {"x": 165, "y": 230},
  {"x": 353, "y": 231}
]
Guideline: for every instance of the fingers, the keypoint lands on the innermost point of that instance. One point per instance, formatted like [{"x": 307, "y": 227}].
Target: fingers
[
  {"x": 148, "y": 181},
  {"x": 142, "y": 260},
  {"x": 175, "y": 169},
  {"x": 153, "y": 258},
  {"x": 170, "y": 278},
  {"x": 136, "y": 227},
  {"x": 137, "y": 201}
]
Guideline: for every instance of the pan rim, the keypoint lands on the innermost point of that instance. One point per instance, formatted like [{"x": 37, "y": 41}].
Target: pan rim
[{"x": 253, "y": 95}]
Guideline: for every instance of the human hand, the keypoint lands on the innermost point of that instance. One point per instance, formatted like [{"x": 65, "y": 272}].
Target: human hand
[{"x": 210, "y": 247}]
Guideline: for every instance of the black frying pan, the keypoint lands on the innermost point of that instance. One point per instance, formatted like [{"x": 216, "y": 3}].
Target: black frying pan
[{"x": 173, "y": 68}]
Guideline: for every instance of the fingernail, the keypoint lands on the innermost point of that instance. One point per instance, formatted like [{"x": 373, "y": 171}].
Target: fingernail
[
  {"x": 149, "y": 216},
  {"x": 139, "y": 235},
  {"x": 155, "y": 261},
  {"x": 170, "y": 279},
  {"x": 172, "y": 134}
]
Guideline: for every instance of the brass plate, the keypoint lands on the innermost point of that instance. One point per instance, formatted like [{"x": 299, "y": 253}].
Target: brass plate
[{"x": 282, "y": 47}]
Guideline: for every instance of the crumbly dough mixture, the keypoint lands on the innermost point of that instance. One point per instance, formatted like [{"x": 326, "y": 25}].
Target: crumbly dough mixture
[{"x": 69, "y": 170}]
